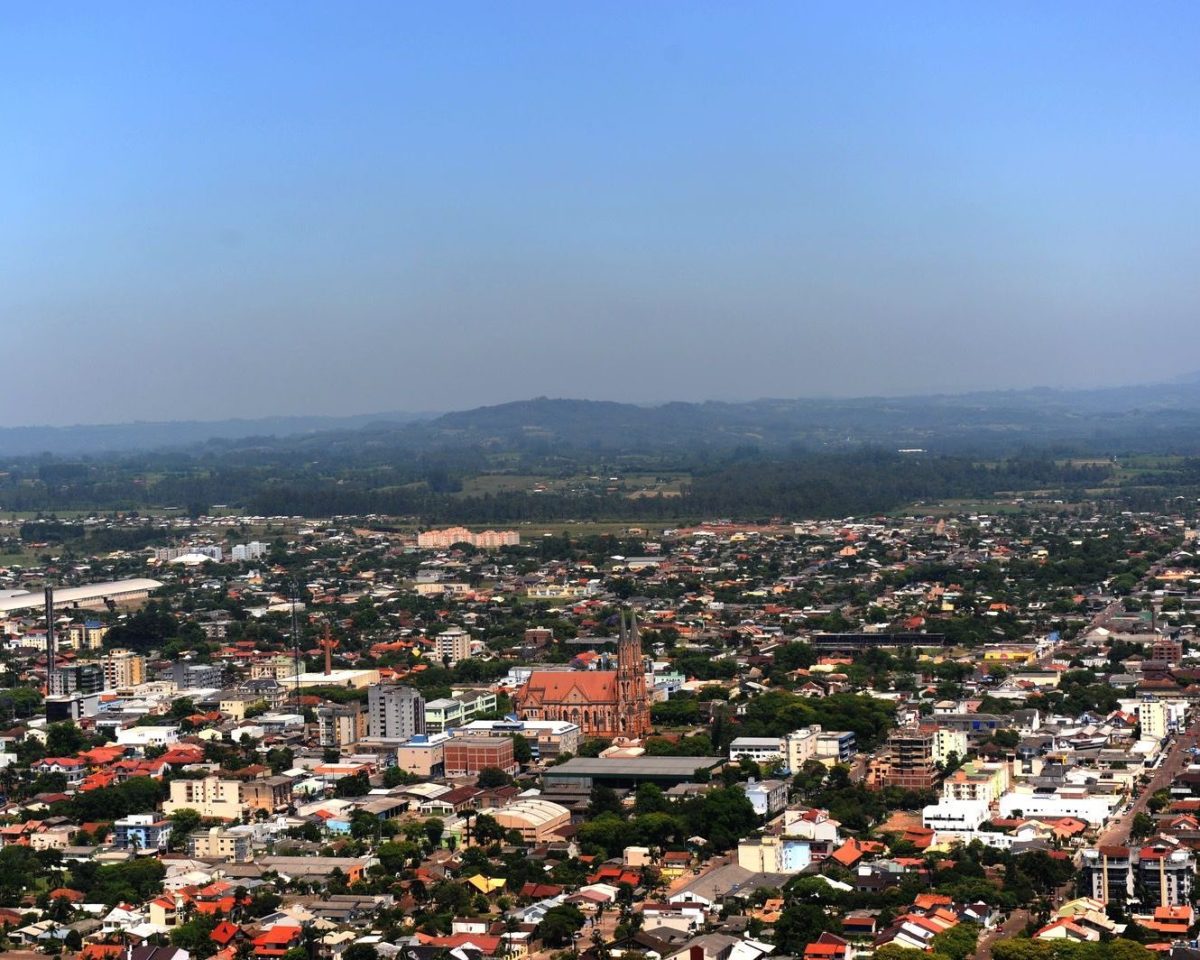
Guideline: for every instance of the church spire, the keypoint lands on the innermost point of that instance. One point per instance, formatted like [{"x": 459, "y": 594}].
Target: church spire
[{"x": 633, "y": 703}]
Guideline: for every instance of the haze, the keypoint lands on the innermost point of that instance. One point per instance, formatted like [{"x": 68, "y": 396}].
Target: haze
[{"x": 217, "y": 210}]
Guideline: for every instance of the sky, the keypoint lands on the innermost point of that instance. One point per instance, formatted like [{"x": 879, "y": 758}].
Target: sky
[{"x": 229, "y": 209}]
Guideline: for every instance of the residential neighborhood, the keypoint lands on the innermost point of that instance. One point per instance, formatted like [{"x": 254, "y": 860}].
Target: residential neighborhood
[{"x": 962, "y": 734}]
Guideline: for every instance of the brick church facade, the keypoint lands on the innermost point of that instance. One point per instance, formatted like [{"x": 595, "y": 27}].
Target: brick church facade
[{"x": 612, "y": 704}]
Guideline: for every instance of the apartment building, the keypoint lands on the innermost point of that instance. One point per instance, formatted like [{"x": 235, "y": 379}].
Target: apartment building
[
  {"x": 230, "y": 845},
  {"x": 210, "y": 797},
  {"x": 123, "y": 668},
  {"x": 88, "y": 635},
  {"x": 271, "y": 794},
  {"x": 77, "y": 678},
  {"x": 142, "y": 832},
  {"x": 395, "y": 712},
  {"x": 340, "y": 724},
  {"x": 1156, "y": 876},
  {"x": 452, "y": 645},
  {"x": 907, "y": 761}
]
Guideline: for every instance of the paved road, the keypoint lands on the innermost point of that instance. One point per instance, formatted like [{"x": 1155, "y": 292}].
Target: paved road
[
  {"x": 1015, "y": 923},
  {"x": 1177, "y": 758}
]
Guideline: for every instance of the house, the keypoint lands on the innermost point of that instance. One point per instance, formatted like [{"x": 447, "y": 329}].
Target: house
[
  {"x": 276, "y": 941},
  {"x": 829, "y": 946},
  {"x": 1064, "y": 928}
]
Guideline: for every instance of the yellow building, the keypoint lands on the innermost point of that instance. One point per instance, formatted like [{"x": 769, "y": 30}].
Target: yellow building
[
  {"x": 124, "y": 668},
  {"x": 210, "y": 797}
]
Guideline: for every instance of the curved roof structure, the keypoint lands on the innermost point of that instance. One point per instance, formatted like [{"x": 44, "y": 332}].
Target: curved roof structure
[{"x": 66, "y": 597}]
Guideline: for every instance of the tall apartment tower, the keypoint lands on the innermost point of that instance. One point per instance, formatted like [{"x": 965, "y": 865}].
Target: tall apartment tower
[{"x": 394, "y": 713}]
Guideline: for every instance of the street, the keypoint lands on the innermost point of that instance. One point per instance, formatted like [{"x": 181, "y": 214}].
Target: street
[{"x": 1178, "y": 757}]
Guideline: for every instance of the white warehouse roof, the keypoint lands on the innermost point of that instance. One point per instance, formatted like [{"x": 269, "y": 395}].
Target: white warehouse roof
[{"x": 78, "y": 596}]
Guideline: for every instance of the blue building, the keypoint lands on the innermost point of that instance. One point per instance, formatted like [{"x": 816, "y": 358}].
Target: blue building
[{"x": 141, "y": 831}]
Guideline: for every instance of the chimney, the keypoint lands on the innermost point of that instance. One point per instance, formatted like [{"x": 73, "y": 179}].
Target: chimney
[{"x": 49, "y": 641}]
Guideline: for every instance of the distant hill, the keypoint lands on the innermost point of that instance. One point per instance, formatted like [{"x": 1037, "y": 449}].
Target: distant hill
[
  {"x": 153, "y": 435},
  {"x": 1152, "y": 418}
]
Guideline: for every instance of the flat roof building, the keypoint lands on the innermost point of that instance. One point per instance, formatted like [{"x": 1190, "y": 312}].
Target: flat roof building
[{"x": 584, "y": 772}]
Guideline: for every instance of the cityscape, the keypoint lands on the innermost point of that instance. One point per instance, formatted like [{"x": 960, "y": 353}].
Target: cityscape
[
  {"x": 600, "y": 481},
  {"x": 963, "y": 733}
]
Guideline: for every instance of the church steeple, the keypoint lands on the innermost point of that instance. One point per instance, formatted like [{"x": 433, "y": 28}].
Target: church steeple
[{"x": 633, "y": 702}]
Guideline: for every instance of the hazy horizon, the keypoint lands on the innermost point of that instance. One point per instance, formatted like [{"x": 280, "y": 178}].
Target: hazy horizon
[{"x": 299, "y": 209}]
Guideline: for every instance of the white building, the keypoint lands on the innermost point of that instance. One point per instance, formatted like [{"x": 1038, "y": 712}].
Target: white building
[
  {"x": 1094, "y": 808},
  {"x": 758, "y": 749},
  {"x": 955, "y": 817},
  {"x": 946, "y": 742}
]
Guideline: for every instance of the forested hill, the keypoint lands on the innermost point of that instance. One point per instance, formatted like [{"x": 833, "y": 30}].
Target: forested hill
[{"x": 1162, "y": 418}]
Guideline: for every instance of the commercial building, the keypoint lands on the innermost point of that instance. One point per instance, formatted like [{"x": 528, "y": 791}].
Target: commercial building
[
  {"x": 758, "y": 749},
  {"x": 537, "y": 820},
  {"x": 955, "y": 817},
  {"x": 95, "y": 596},
  {"x": 73, "y": 707},
  {"x": 394, "y": 713},
  {"x": 445, "y": 713},
  {"x": 547, "y": 738},
  {"x": 583, "y": 773},
  {"x": 423, "y": 756},
  {"x": 466, "y": 756},
  {"x": 1078, "y": 802}
]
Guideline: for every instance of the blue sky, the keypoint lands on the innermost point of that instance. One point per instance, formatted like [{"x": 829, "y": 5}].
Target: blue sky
[{"x": 220, "y": 209}]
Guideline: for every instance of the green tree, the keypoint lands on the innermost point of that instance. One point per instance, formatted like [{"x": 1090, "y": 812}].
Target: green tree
[
  {"x": 522, "y": 751},
  {"x": 64, "y": 740},
  {"x": 604, "y": 800},
  {"x": 360, "y": 951},
  {"x": 560, "y": 924},
  {"x": 959, "y": 942},
  {"x": 195, "y": 936},
  {"x": 492, "y": 777},
  {"x": 183, "y": 822}
]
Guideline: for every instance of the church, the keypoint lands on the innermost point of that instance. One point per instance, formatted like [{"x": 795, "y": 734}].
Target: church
[{"x": 612, "y": 704}]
